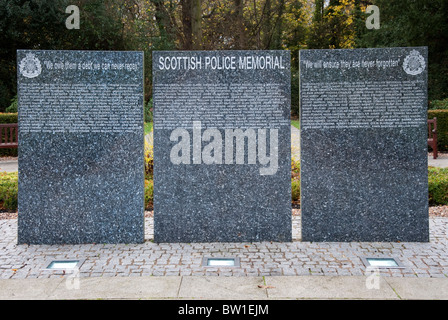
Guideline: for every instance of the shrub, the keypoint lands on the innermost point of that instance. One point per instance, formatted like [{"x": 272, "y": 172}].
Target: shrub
[
  {"x": 438, "y": 186},
  {"x": 8, "y": 191},
  {"x": 149, "y": 161},
  {"x": 442, "y": 127},
  {"x": 295, "y": 181},
  {"x": 149, "y": 194},
  {"x": 8, "y": 118},
  {"x": 148, "y": 111},
  {"x": 438, "y": 104},
  {"x": 13, "y": 106},
  {"x": 295, "y": 169},
  {"x": 295, "y": 190}
]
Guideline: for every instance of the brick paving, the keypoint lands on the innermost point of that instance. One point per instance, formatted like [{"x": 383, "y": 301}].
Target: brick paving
[{"x": 256, "y": 259}]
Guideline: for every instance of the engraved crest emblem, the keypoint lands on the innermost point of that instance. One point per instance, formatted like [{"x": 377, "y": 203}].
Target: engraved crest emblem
[
  {"x": 414, "y": 63},
  {"x": 30, "y": 66}
]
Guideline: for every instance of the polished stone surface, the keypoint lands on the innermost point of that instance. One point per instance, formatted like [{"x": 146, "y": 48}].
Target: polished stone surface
[
  {"x": 205, "y": 190},
  {"x": 363, "y": 145},
  {"x": 80, "y": 147}
]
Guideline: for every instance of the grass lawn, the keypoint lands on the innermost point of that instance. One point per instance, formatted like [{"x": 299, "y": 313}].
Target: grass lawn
[
  {"x": 148, "y": 127},
  {"x": 296, "y": 123}
]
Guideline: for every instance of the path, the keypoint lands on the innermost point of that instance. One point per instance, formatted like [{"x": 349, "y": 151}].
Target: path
[
  {"x": 296, "y": 258},
  {"x": 295, "y": 143}
]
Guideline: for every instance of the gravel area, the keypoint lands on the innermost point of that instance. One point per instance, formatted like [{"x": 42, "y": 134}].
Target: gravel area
[
  {"x": 440, "y": 211},
  {"x": 8, "y": 215},
  {"x": 439, "y": 154}
]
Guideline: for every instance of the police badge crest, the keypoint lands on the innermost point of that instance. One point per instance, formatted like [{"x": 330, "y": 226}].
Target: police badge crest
[
  {"x": 414, "y": 63},
  {"x": 30, "y": 66}
]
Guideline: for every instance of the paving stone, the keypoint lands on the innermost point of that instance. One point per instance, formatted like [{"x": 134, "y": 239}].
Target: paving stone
[{"x": 263, "y": 258}]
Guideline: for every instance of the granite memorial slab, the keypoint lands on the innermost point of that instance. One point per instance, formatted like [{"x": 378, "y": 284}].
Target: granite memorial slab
[
  {"x": 222, "y": 160},
  {"x": 81, "y": 167},
  {"x": 364, "y": 174}
]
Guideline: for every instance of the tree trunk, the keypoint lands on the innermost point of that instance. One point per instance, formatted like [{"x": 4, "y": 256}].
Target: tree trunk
[
  {"x": 191, "y": 24},
  {"x": 163, "y": 20},
  {"x": 196, "y": 24},
  {"x": 267, "y": 25},
  {"x": 187, "y": 42},
  {"x": 240, "y": 39}
]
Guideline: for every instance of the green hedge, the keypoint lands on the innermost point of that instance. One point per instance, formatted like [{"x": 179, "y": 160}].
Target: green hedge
[
  {"x": 442, "y": 127},
  {"x": 8, "y": 190},
  {"x": 438, "y": 104},
  {"x": 8, "y": 118},
  {"x": 295, "y": 181},
  {"x": 438, "y": 186},
  {"x": 149, "y": 193}
]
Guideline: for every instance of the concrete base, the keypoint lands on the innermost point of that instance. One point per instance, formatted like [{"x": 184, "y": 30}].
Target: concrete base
[{"x": 241, "y": 288}]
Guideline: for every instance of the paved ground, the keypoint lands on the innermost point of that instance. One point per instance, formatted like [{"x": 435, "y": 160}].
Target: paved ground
[
  {"x": 294, "y": 258},
  {"x": 8, "y": 165},
  {"x": 295, "y": 143},
  {"x": 441, "y": 161},
  {"x": 226, "y": 288},
  {"x": 268, "y": 270}
]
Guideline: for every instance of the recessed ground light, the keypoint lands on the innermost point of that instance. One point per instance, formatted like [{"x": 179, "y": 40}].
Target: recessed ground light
[
  {"x": 220, "y": 262},
  {"x": 64, "y": 264},
  {"x": 386, "y": 262}
]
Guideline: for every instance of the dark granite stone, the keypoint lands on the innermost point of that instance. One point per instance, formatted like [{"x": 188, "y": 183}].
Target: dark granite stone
[
  {"x": 81, "y": 169},
  {"x": 202, "y": 195},
  {"x": 364, "y": 174}
]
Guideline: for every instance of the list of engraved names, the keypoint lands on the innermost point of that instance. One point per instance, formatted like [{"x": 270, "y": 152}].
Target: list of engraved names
[
  {"x": 218, "y": 105},
  {"x": 362, "y": 104},
  {"x": 79, "y": 107}
]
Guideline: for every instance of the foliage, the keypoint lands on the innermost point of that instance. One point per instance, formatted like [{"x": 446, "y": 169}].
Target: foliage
[
  {"x": 148, "y": 25},
  {"x": 40, "y": 24},
  {"x": 24, "y": 24},
  {"x": 438, "y": 104},
  {"x": 148, "y": 127},
  {"x": 438, "y": 186},
  {"x": 13, "y": 106},
  {"x": 295, "y": 180},
  {"x": 149, "y": 194},
  {"x": 442, "y": 127},
  {"x": 148, "y": 111},
  {"x": 295, "y": 169},
  {"x": 8, "y": 118},
  {"x": 407, "y": 23},
  {"x": 333, "y": 25},
  {"x": 296, "y": 123},
  {"x": 8, "y": 191},
  {"x": 295, "y": 191},
  {"x": 295, "y": 90},
  {"x": 149, "y": 160}
]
